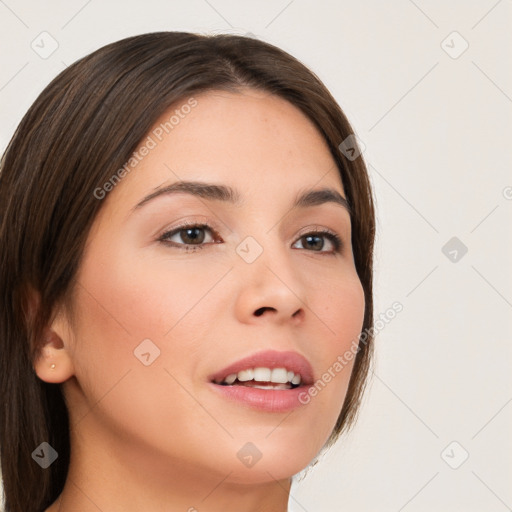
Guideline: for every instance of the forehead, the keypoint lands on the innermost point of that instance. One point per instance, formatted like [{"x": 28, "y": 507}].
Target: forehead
[{"x": 254, "y": 141}]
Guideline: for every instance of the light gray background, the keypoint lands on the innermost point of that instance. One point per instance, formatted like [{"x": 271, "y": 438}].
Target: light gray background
[{"x": 436, "y": 124}]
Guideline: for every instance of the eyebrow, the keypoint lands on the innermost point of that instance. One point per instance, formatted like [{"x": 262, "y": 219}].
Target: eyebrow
[{"x": 225, "y": 193}]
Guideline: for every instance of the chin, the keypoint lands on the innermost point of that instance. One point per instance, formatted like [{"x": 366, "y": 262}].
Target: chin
[
  {"x": 266, "y": 471},
  {"x": 264, "y": 455}
]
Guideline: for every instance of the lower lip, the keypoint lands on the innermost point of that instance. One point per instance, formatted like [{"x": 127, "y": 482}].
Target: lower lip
[{"x": 268, "y": 400}]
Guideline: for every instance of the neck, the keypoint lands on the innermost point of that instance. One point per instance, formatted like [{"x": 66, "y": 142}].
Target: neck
[{"x": 109, "y": 474}]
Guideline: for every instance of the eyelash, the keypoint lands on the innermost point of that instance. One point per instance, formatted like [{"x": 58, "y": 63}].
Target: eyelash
[{"x": 330, "y": 235}]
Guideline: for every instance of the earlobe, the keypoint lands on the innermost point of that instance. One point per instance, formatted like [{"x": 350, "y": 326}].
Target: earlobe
[{"x": 54, "y": 363}]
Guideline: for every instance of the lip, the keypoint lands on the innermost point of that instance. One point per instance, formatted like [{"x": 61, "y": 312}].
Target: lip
[{"x": 271, "y": 400}]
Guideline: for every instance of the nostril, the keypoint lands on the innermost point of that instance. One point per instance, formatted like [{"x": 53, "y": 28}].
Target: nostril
[
  {"x": 260, "y": 311},
  {"x": 298, "y": 314}
]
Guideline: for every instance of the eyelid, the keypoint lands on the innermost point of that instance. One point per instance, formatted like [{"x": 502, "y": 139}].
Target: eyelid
[
  {"x": 316, "y": 228},
  {"x": 195, "y": 221},
  {"x": 335, "y": 238}
]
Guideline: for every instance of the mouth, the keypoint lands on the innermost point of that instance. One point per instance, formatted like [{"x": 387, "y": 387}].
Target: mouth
[
  {"x": 270, "y": 381},
  {"x": 269, "y": 369},
  {"x": 263, "y": 378}
]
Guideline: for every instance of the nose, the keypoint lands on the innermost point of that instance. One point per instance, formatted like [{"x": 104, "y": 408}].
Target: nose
[{"x": 270, "y": 289}]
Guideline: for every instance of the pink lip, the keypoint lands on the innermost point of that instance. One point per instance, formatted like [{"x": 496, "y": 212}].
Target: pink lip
[{"x": 269, "y": 400}]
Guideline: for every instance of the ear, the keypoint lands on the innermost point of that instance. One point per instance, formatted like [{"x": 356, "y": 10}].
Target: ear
[{"x": 53, "y": 363}]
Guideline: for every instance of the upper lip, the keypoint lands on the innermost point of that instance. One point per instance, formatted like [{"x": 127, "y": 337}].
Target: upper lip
[{"x": 290, "y": 360}]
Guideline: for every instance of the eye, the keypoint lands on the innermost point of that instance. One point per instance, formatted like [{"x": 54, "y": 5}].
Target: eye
[
  {"x": 192, "y": 237},
  {"x": 189, "y": 236},
  {"x": 315, "y": 241}
]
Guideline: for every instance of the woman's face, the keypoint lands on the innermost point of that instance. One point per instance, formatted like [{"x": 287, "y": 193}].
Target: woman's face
[{"x": 162, "y": 311}]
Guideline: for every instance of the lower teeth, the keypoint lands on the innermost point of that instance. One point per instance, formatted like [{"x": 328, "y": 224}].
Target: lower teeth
[{"x": 269, "y": 386}]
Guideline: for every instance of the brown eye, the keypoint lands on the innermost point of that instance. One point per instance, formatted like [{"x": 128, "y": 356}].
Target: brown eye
[
  {"x": 316, "y": 242},
  {"x": 313, "y": 242},
  {"x": 192, "y": 235},
  {"x": 188, "y": 235}
]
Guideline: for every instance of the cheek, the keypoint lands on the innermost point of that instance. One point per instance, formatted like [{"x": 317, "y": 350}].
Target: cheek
[
  {"x": 172, "y": 304},
  {"x": 124, "y": 304},
  {"x": 340, "y": 306},
  {"x": 339, "y": 303},
  {"x": 146, "y": 298}
]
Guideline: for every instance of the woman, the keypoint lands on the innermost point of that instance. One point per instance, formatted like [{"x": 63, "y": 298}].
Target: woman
[{"x": 186, "y": 275}]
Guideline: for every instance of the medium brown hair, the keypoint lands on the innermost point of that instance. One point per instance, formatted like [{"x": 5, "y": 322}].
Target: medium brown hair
[{"x": 81, "y": 129}]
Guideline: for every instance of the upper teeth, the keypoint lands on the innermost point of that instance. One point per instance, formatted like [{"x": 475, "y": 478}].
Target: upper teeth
[{"x": 277, "y": 375}]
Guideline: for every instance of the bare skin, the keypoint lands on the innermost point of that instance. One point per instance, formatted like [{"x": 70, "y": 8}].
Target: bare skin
[{"x": 156, "y": 438}]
